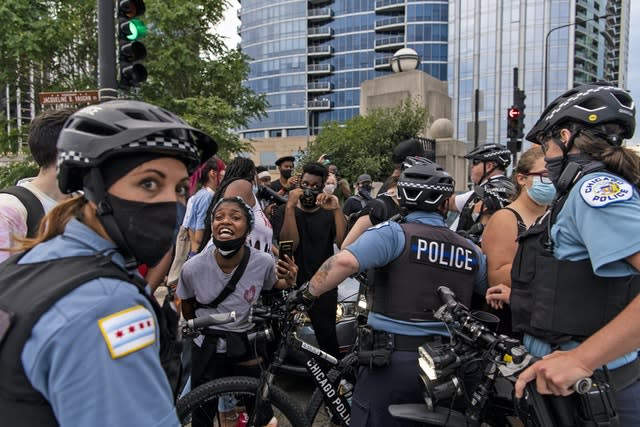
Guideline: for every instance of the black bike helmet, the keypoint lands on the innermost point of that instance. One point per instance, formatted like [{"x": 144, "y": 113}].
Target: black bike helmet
[
  {"x": 589, "y": 105},
  {"x": 491, "y": 153},
  {"x": 95, "y": 133},
  {"x": 414, "y": 161},
  {"x": 424, "y": 187},
  {"x": 496, "y": 193}
]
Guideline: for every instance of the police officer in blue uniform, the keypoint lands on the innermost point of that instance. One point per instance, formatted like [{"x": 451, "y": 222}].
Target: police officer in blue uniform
[
  {"x": 80, "y": 336},
  {"x": 579, "y": 267},
  {"x": 411, "y": 260}
]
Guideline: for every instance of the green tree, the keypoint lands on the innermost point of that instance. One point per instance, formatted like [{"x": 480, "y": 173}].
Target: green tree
[
  {"x": 16, "y": 170},
  {"x": 363, "y": 144},
  {"x": 51, "y": 45}
]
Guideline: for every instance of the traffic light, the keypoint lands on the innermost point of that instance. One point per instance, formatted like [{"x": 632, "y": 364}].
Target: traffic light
[
  {"x": 518, "y": 102},
  {"x": 130, "y": 49},
  {"x": 513, "y": 123}
]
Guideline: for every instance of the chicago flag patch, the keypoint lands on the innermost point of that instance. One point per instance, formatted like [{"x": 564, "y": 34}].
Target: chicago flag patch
[
  {"x": 128, "y": 331},
  {"x": 603, "y": 190}
]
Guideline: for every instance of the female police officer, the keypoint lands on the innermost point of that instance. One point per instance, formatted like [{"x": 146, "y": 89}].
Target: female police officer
[
  {"x": 580, "y": 266},
  {"x": 80, "y": 336}
]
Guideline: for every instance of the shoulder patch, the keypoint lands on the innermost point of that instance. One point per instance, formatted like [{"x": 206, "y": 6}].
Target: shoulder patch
[
  {"x": 128, "y": 331},
  {"x": 603, "y": 190}
]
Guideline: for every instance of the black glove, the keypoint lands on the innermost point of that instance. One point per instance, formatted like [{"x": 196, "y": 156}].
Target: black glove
[{"x": 301, "y": 298}]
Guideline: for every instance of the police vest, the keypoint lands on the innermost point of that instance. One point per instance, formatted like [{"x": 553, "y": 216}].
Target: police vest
[
  {"x": 560, "y": 300},
  {"x": 27, "y": 291},
  {"x": 405, "y": 289},
  {"x": 466, "y": 221}
]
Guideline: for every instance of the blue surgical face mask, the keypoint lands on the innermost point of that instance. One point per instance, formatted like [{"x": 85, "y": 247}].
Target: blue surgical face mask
[
  {"x": 255, "y": 189},
  {"x": 541, "y": 193}
]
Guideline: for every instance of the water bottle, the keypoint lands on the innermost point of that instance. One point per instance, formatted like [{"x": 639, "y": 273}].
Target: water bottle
[{"x": 346, "y": 390}]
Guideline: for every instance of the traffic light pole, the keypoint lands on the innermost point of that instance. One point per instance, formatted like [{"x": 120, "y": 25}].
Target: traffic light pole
[{"x": 107, "y": 86}]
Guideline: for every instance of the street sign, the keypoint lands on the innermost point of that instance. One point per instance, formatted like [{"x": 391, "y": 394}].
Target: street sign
[{"x": 80, "y": 97}]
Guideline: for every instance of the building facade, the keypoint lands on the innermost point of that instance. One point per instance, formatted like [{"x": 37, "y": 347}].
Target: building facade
[
  {"x": 310, "y": 56},
  {"x": 554, "y": 44}
]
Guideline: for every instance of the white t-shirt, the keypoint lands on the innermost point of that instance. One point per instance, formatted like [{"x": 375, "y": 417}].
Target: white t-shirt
[{"x": 13, "y": 216}]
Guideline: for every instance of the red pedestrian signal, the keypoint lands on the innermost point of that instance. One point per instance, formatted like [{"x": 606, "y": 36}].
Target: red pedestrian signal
[
  {"x": 513, "y": 122},
  {"x": 513, "y": 113}
]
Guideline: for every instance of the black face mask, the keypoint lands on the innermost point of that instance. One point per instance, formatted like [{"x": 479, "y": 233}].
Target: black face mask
[
  {"x": 147, "y": 228},
  {"x": 286, "y": 173},
  {"x": 308, "y": 199},
  {"x": 365, "y": 191},
  {"x": 228, "y": 248},
  {"x": 555, "y": 165}
]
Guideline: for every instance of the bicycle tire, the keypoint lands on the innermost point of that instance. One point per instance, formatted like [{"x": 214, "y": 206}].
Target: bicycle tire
[{"x": 288, "y": 413}]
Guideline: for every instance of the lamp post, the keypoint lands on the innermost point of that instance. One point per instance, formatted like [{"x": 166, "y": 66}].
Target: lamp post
[{"x": 546, "y": 51}]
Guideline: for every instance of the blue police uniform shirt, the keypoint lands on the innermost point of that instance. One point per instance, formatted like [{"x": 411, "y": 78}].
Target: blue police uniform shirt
[
  {"x": 383, "y": 243},
  {"x": 86, "y": 377},
  {"x": 596, "y": 222},
  {"x": 199, "y": 207}
]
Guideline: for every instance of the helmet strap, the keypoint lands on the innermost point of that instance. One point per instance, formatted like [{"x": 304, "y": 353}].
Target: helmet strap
[{"x": 94, "y": 191}]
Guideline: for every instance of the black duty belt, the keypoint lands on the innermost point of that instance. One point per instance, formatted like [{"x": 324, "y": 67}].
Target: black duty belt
[
  {"x": 622, "y": 377},
  {"x": 411, "y": 342}
]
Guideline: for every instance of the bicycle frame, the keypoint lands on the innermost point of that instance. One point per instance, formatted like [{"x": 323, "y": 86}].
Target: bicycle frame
[{"x": 324, "y": 377}]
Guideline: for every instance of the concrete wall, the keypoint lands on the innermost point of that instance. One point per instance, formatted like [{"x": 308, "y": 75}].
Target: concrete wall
[{"x": 391, "y": 90}]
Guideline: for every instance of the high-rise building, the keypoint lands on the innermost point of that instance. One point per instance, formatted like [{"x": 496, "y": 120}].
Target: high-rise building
[
  {"x": 310, "y": 56},
  {"x": 554, "y": 44}
]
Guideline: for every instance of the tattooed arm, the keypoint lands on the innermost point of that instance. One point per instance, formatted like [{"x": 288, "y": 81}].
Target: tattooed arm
[{"x": 333, "y": 271}]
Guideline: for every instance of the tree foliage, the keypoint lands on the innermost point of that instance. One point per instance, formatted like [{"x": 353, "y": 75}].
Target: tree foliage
[
  {"x": 363, "y": 144},
  {"x": 16, "y": 170},
  {"x": 51, "y": 45}
]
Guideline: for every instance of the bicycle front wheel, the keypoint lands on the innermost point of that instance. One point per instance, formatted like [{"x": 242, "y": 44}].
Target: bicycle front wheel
[{"x": 199, "y": 407}]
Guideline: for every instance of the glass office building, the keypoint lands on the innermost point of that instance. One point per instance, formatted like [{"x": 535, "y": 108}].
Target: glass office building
[
  {"x": 555, "y": 45},
  {"x": 310, "y": 56}
]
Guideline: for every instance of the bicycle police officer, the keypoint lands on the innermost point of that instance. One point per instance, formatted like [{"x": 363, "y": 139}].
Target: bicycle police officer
[
  {"x": 411, "y": 260},
  {"x": 80, "y": 335},
  {"x": 579, "y": 267}
]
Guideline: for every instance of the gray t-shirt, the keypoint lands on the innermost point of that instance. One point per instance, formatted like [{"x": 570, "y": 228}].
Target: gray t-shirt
[{"x": 202, "y": 278}]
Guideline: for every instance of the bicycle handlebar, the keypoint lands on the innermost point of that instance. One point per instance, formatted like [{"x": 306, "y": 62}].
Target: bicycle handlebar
[{"x": 211, "y": 319}]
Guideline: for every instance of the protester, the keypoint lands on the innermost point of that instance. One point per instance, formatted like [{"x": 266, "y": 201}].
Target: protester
[
  {"x": 84, "y": 338},
  {"x": 22, "y": 206},
  {"x": 240, "y": 180},
  {"x": 287, "y": 180},
  {"x": 314, "y": 221},
  {"x": 361, "y": 199},
  {"x": 228, "y": 276}
]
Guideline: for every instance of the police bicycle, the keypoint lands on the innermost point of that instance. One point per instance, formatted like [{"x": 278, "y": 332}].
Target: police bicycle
[
  {"x": 261, "y": 395},
  {"x": 490, "y": 402}
]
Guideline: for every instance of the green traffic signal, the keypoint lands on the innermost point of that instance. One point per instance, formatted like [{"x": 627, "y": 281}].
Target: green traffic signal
[{"x": 134, "y": 29}]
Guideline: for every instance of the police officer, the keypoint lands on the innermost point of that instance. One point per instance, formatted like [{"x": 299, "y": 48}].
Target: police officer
[
  {"x": 579, "y": 267},
  {"x": 80, "y": 335},
  {"x": 488, "y": 164},
  {"x": 411, "y": 260}
]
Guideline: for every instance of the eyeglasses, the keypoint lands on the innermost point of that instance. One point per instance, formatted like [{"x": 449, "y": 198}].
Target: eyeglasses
[
  {"x": 544, "y": 176},
  {"x": 476, "y": 161}
]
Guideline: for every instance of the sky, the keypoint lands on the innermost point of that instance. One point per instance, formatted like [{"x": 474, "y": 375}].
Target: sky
[{"x": 228, "y": 29}]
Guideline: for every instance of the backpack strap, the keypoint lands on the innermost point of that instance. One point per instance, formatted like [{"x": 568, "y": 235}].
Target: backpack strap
[
  {"x": 35, "y": 210},
  {"x": 231, "y": 284}
]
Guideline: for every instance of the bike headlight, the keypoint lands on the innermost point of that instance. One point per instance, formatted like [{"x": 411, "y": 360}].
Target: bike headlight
[
  {"x": 426, "y": 365},
  {"x": 345, "y": 310}
]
